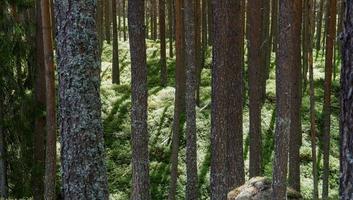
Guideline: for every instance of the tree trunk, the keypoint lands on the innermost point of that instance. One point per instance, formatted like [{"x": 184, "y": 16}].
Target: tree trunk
[
  {"x": 162, "y": 42},
  {"x": 124, "y": 20},
  {"x": 274, "y": 25},
  {"x": 198, "y": 51},
  {"x": 170, "y": 26},
  {"x": 227, "y": 167},
  {"x": 99, "y": 22},
  {"x": 254, "y": 17},
  {"x": 50, "y": 156},
  {"x": 265, "y": 47},
  {"x": 115, "y": 65},
  {"x": 346, "y": 125},
  {"x": 210, "y": 21},
  {"x": 191, "y": 62},
  {"x": 3, "y": 170},
  {"x": 82, "y": 145},
  {"x": 140, "y": 160},
  {"x": 107, "y": 20},
  {"x": 179, "y": 105},
  {"x": 330, "y": 37},
  {"x": 319, "y": 27},
  {"x": 287, "y": 42}
]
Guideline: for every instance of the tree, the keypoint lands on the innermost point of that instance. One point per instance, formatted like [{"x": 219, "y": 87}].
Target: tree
[
  {"x": 50, "y": 156},
  {"x": 163, "y": 43},
  {"x": 107, "y": 20},
  {"x": 190, "y": 60},
  {"x": 295, "y": 137},
  {"x": 330, "y": 37},
  {"x": 170, "y": 4},
  {"x": 3, "y": 171},
  {"x": 285, "y": 65},
  {"x": 124, "y": 19},
  {"x": 319, "y": 26},
  {"x": 115, "y": 65},
  {"x": 254, "y": 62},
  {"x": 140, "y": 160},
  {"x": 82, "y": 146},
  {"x": 227, "y": 167},
  {"x": 346, "y": 125}
]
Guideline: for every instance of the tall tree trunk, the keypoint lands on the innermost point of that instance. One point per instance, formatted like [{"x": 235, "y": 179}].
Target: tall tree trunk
[
  {"x": 179, "y": 105},
  {"x": 82, "y": 145},
  {"x": 254, "y": 17},
  {"x": 274, "y": 25},
  {"x": 319, "y": 27},
  {"x": 330, "y": 37},
  {"x": 50, "y": 156},
  {"x": 210, "y": 21},
  {"x": 265, "y": 47},
  {"x": 163, "y": 58},
  {"x": 140, "y": 160},
  {"x": 99, "y": 22},
  {"x": 295, "y": 137},
  {"x": 227, "y": 167},
  {"x": 198, "y": 51},
  {"x": 346, "y": 125},
  {"x": 115, "y": 65},
  {"x": 124, "y": 20},
  {"x": 107, "y": 20},
  {"x": 170, "y": 26},
  {"x": 287, "y": 42},
  {"x": 3, "y": 170},
  {"x": 190, "y": 22}
]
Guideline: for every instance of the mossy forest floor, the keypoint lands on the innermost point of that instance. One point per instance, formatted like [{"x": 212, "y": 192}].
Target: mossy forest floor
[{"x": 116, "y": 120}]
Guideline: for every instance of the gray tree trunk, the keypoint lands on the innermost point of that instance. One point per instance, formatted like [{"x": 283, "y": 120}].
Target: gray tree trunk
[{"x": 82, "y": 146}]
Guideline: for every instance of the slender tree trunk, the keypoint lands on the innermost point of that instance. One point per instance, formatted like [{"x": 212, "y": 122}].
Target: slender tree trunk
[
  {"x": 115, "y": 65},
  {"x": 198, "y": 52},
  {"x": 254, "y": 17},
  {"x": 170, "y": 26},
  {"x": 346, "y": 125},
  {"x": 82, "y": 145},
  {"x": 99, "y": 20},
  {"x": 124, "y": 20},
  {"x": 274, "y": 24},
  {"x": 288, "y": 10},
  {"x": 50, "y": 156},
  {"x": 295, "y": 138},
  {"x": 330, "y": 37},
  {"x": 265, "y": 47},
  {"x": 319, "y": 27},
  {"x": 107, "y": 20},
  {"x": 3, "y": 170},
  {"x": 163, "y": 58},
  {"x": 140, "y": 160},
  {"x": 210, "y": 21},
  {"x": 227, "y": 167},
  {"x": 305, "y": 44},
  {"x": 179, "y": 105},
  {"x": 191, "y": 68}
]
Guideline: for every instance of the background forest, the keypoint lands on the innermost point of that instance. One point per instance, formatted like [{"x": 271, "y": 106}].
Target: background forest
[{"x": 185, "y": 41}]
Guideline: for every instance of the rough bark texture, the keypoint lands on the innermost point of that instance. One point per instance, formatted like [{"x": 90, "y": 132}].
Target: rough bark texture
[
  {"x": 82, "y": 146},
  {"x": 254, "y": 17},
  {"x": 295, "y": 138},
  {"x": 107, "y": 20},
  {"x": 163, "y": 61},
  {"x": 198, "y": 52},
  {"x": 179, "y": 105},
  {"x": 285, "y": 62},
  {"x": 227, "y": 167},
  {"x": 330, "y": 37},
  {"x": 140, "y": 159},
  {"x": 346, "y": 122},
  {"x": 115, "y": 65}
]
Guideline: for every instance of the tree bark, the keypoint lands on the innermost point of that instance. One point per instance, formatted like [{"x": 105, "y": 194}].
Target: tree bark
[
  {"x": 107, "y": 20},
  {"x": 254, "y": 17},
  {"x": 124, "y": 20},
  {"x": 170, "y": 26},
  {"x": 227, "y": 167},
  {"x": 198, "y": 55},
  {"x": 163, "y": 61},
  {"x": 319, "y": 27},
  {"x": 115, "y": 65},
  {"x": 82, "y": 145},
  {"x": 3, "y": 170},
  {"x": 140, "y": 159}
]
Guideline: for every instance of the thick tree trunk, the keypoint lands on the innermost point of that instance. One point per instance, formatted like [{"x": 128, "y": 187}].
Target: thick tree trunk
[
  {"x": 50, "y": 156},
  {"x": 330, "y": 37},
  {"x": 227, "y": 167},
  {"x": 140, "y": 158},
  {"x": 286, "y": 62},
  {"x": 163, "y": 58},
  {"x": 82, "y": 145},
  {"x": 115, "y": 65},
  {"x": 191, "y": 62},
  {"x": 346, "y": 121},
  {"x": 254, "y": 17}
]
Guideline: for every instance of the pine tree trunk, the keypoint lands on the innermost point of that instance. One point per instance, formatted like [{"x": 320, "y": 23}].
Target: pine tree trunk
[
  {"x": 210, "y": 21},
  {"x": 82, "y": 145},
  {"x": 3, "y": 170},
  {"x": 163, "y": 58},
  {"x": 274, "y": 25},
  {"x": 319, "y": 27},
  {"x": 107, "y": 20},
  {"x": 346, "y": 125},
  {"x": 99, "y": 22},
  {"x": 254, "y": 17},
  {"x": 50, "y": 156},
  {"x": 115, "y": 65},
  {"x": 124, "y": 20},
  {"x": 198, "y": 52},
  {"x": 170, "y": 26},
  {"x": 227, "y": 167},
  {"x": 330, "y": 37}
]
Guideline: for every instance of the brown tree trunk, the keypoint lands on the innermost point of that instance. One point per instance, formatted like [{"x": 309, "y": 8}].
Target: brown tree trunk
[
  {"x": 254, "y": 17},
  {"x": 107, "y": 20},
  {"x": 330, "y": 37},
  {"x": 287, "y": 42},
  {"x": 163, "y": 58},
  {"x": 170, "y": 26},
  {"x": 190, "y": 22},
  {"x": 99, "y": 22},
  {"x": 179, "y": 105},
  {"x": 124, "y": 20},
  {"x": 274, "y": 25},
  {"x": 265, "y": 47},
  {"x": 140, "y": 160},
  {"x": 210, "y": 21},
  {"x": 115, "y": 65},
  {"x": 319, "y": 27},
  {"x": 346, "y": 121},
  {"x": 3, "y": 168},
  {"x": 227, "y": 167},
  {"x": 198, "y": 51},
  {"x": 50, "y": 156}
]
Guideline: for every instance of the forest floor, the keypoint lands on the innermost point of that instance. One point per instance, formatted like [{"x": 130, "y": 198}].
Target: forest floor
[{"x": 116, "y": 119}]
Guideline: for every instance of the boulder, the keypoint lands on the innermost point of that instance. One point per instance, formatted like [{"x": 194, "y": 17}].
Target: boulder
[{"x": 259, "y": 188}]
